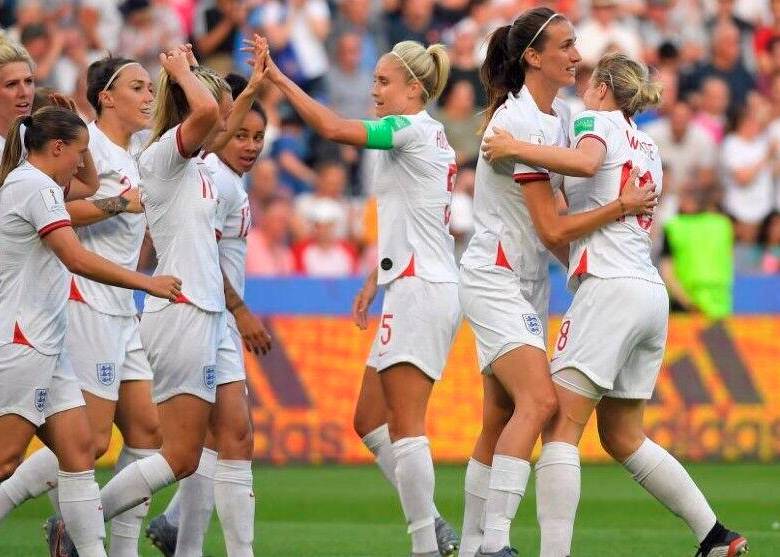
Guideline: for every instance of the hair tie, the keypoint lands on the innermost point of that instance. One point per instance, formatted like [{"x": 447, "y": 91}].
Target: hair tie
[
  {"x": 116, "y": 74},
  {"x": 539, "y": 32}
]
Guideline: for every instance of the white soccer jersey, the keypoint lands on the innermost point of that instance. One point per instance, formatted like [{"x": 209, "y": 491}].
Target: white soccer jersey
[
  {"x": 233, "y": 222},
  {"x": 503, "y": 232},
  {"x": 622, "y": 248},
  {"x": 180, "y": 201},
  {"x": 33, "y": 281},
  {"x": 413, "y": 183},
  {"x": 117, "y": 238}
]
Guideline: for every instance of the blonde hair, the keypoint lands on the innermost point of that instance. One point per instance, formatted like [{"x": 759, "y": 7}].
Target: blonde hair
[
  {"x": 170, "y": 104},
  {"x": 630, "y": 82},
  {"x": 11, "y": 51},
  {"x": 430, "y": 67}
]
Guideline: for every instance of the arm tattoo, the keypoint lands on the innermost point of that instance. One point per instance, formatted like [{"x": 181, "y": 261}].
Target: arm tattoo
[{"x": 112, "y": 205}]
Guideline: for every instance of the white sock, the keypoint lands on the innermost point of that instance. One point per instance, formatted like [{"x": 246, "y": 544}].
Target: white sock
[
  {"x": 665, "y": 478},
  {"x": 135, "y": 484},
  {"x": 508, "y": 479},
  {"x": 81, "y": 512},
  {"x": 476, "y": 487},
  {"x": 36, "y": 475},
  {"x": 126, "y": 526},
  {"x": 414, "y": 472},
  {"x": 173, "y": 510},
  {"x": 235, "y": 502},
  {"x": 378, "y": 442},
  {"x": 557, "y": 497},
  {"x": 197, "y": 504}
]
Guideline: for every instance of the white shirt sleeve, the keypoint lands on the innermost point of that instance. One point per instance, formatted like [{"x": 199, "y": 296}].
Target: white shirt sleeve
[
  {"x": 523, "y": 173},
  {"x": 45, "y": 209},
  {"x": 588, "y": 124}
]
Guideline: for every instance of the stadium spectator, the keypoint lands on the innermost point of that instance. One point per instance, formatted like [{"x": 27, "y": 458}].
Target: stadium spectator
[
  {"x": 324, "y": 254},
  {"x": 348, "y": 85},
  {"x": 662, "y": 25},
  {"x": 263, "y": 187},
  {"x": 358, "y": 17},
  {"x": 464, "y": 64},
  {"x": 726, "y": 12},
  {"x": 216, "y": 31},
  {"x": 461, "y": 121},
  {"x": 291, "y": 151},
  {"x": 696, "y": 257},
  {"x": 330, "y": 185},
  {"x": 296, "y": 31},
  {"x": 414, "y": 22},
  {"x": 45, "y": 48},
  {"x": 746, "y": 171},
  {"x": 769, "y": 244},
  {"x": 150, "y": 28},
  {"x": 462, "y": 210},
  {"x": 765, "y": 37},
  {"x": 726, "y": 64},
  {"x": 268, "y": 252},
  {"x": 603, "y": 31},
  {"x": 689, "y": 156},
  {"x": 713, "y": 101}
]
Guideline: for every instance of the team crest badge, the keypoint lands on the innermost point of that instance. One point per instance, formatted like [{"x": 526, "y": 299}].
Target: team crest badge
[
  {"x": 40, "y": 399},
  {"x": 533, "y": 323},
  {"x": 105, "y": 373},
  {"x": 210, "y": 376}
]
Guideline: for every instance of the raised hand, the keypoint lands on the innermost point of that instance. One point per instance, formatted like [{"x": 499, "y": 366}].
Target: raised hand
[{"x": 175, "y": 62}]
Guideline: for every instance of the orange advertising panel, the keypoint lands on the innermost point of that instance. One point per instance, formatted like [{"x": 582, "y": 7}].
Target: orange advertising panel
[{"x": 718, "y": 396}]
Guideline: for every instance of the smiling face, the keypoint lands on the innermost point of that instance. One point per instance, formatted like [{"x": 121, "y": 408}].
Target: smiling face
[
  {"x": 394, "y": 92},
  {"x": 245, "y": 146},
  {"x": 17, "y": 88},
  {"x": 130, "y": 97},
  {"x": 558, "y": 58}
]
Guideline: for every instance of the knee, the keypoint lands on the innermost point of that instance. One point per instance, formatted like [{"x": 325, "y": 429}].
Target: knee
[
  {"x": 363, "y": 425},
  {"x": 620, "y": 444},
  {"x": 236, "y": 441},
  {"x": 143, "y": 433},
  {"x": 540, "y": 409},
  {"x": 8, "y": 465},
  {"x": 101, "y": 444},
  {"x": 184, "y": 464}
]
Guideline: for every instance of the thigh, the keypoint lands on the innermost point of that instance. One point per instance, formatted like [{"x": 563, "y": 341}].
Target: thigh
[
  {"x": 100, "y": 414},
  {"x": 371, "y": 409},
  {"x": 231, "y": 423},
  {"x": 136, "y": 415},
  {"x": 16, "y": 432},
  {"x": 497, "y": 306},
  {"x": 571, "y": 417},
  {"x": 418, "y": 324},
  {"x": 525, "y": 375},
  {"x": 407, "y": 391},
  {"x": 497, "y": 409},
  {"x": 620, "y": 423},
  {"x": 69, "y": 435},
  {"x": 184, "y": 420}
]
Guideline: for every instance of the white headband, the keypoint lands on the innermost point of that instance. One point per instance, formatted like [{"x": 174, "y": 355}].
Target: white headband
[
  {"x": 417, "y": 79},
  {"x": 116, "y": 74},
  {"x": 539, "y": 32}
]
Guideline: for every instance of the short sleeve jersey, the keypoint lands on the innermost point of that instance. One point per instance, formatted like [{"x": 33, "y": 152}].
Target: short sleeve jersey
[
  {"x": 233, "y": 222},
  {"x": 33, "y": 281},
  {"x": 622, "y": 248},
  {"x": 504, "y": 234},
  {"x": 414, "y": 175},
  {"x": 118, "y": 238},
  {"x": 180, "y": 201}
]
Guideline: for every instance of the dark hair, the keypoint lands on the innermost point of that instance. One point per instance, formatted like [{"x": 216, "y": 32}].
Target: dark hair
[
  {"x": 44, "y": 125},
  {"x": 98, "y": 74},
  {"x": 237, "y": 85},
  {"x": 504, "y": 69},
  {"x": 763, "y": 231},
  {"x": 33, "y": 31},
  {"x": 41, "y": 97}
]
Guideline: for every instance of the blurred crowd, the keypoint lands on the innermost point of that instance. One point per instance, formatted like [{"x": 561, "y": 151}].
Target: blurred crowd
[{"x": 718, "y": 127}]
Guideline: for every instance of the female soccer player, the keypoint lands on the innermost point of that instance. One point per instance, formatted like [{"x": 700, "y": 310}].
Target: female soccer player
[
  {"x": 414, "y": 178},
  {"x": 39, "y": 249},
  {"x": 620, "y": 297},
  {"x": 504, "y": 279},
  {"x": 224, "y": 475}
]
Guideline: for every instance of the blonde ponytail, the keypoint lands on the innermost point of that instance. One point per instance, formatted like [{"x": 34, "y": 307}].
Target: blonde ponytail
[
  {"x": 12, "y": 153},
  {"x": 430, "y": 67},
  {"x": 630, "y": 82}
]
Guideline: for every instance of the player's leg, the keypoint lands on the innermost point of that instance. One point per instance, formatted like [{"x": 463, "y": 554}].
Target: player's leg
[
  {"x": 370, "y": 423},
  {"x": 497, "y": 408},
  {"x": 524, "y": 374},
  {"x": 558, "y": 467},
  {"x": 407, "y": 390},
  {"x": 622, "y": 436},
  {"x": 137, "y": 420},
  {"x": 233, "y": 492},
  {"x": 17, "y": 432}
]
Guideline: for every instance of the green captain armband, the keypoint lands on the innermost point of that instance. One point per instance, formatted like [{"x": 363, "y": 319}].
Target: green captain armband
[{"x": 380, "y": 132}]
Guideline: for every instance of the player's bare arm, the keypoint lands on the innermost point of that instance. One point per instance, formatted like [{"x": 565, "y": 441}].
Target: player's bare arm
[
  {"x": 253, "y": 333},
  {"x": 84, "y": 213},
  {"x": 364, "y": 299}
]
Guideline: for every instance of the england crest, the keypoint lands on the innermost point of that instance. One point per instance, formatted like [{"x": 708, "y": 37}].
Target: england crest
[
  {"x": 210, "y": 376},
  {"x": 40, "y": 399},
  {"x": 533, "y": 323},
  {"x": 105, "y": 373}
]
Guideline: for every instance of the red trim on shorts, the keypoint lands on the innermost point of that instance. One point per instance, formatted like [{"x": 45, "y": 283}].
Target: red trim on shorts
[
  {"x": 525, "y": 177},
  {"x": 19, "y": 337},
  {"x": 218, "y": 234},
  {"x": 75, "y": 295},
  {"x": 582, "y": 266},
  {"x": 594, "y": 136},
  {"x": 501, "y": 260},
  {"x": 182, "y": 299},
  {"x": 52, "y": 226},
  {"x": 409, "y": 271}
]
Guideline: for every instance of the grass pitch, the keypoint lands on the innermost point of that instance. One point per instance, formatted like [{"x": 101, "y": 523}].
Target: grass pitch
[{"x": 352, "y": 512}]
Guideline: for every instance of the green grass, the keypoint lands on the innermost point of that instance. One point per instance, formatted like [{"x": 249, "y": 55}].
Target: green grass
[{"x": 352, "y": 512}]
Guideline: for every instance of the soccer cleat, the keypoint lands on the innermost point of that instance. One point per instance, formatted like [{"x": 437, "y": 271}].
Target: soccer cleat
[
  {"x": 60, "y": 544},
  {"x": 446, "y": 538},
  {"x": 504, "y": 552},
  {"x": 426, "y": 554},
  {"x": 730, "y": 545},
  {"x": 163, "y": 535}
]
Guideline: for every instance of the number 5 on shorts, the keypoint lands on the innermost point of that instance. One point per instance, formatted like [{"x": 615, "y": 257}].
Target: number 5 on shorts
[{"x": 387, "y": 330}]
